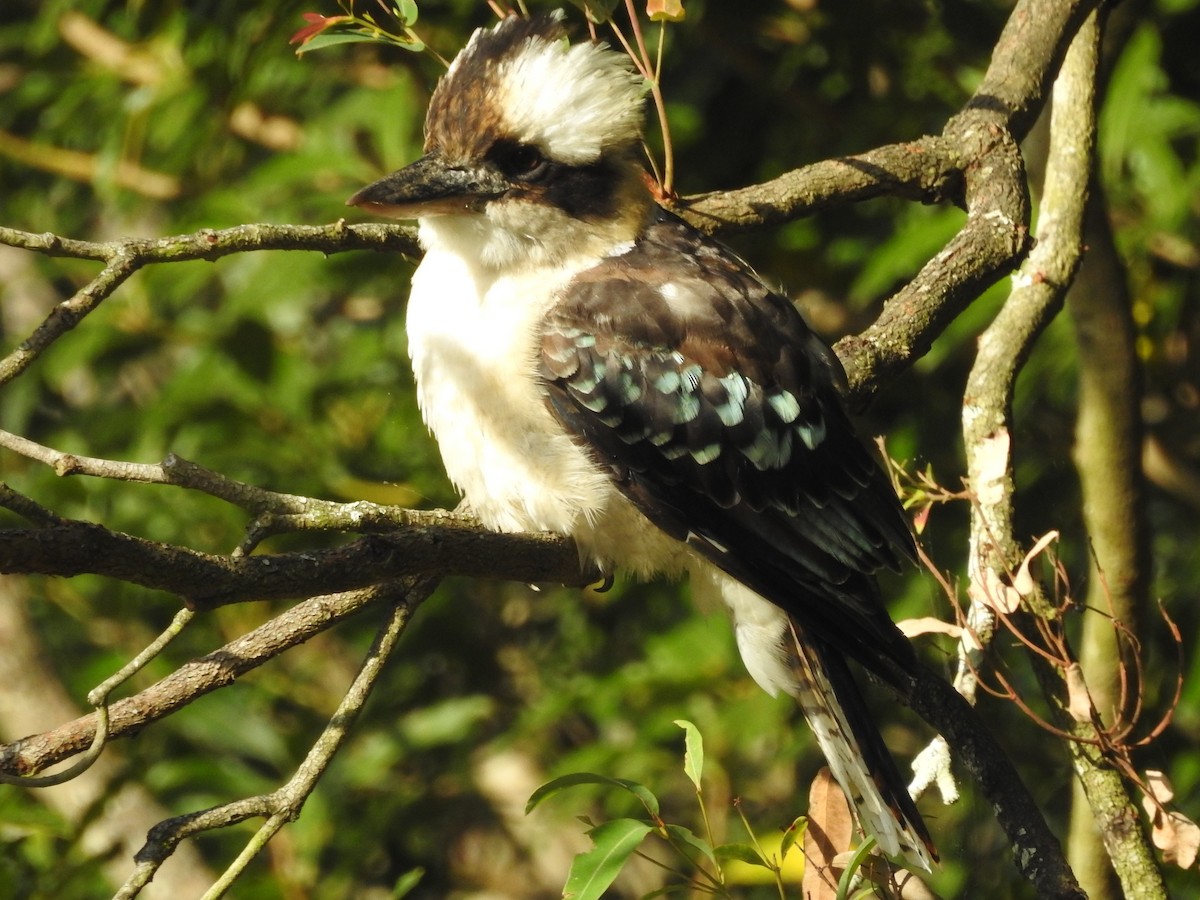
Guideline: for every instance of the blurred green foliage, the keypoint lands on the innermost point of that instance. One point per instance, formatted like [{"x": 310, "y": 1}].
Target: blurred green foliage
[{"x": 291, "y": 372}]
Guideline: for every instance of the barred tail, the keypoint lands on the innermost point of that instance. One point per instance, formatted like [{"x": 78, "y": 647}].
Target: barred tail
[{"x": 861, "y": 763}]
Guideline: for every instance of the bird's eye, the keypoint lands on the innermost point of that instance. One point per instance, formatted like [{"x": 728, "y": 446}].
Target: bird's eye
[{"x": 522, "y": 162}]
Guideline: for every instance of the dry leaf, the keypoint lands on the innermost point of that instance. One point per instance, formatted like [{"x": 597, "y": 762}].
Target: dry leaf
[
  {"x": 1177, "y": 836},
  {"x": 1004, "y": 598},
  {"x": 994, "y": 594},
  {"x": 1184, "y": 845},
  {"x": 910, "y": 628},
  {"x": 830, "y": 829},
  {"x": 1023, "y": 581},
  {"x": 1160, "y": 787},
  {"x": 1079, "y": 701}
]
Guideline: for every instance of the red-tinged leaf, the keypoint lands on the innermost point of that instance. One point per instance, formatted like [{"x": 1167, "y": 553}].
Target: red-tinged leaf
[
  {"x": 316, "y": 24},
  {"x": 921, "y": 518},
  {"x": 593, "y": 871},
  {"x": 665, "y": 10}
]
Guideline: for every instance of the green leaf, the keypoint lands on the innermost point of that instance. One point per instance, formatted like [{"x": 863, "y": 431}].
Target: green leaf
[
  {"x": 592, "y": 872},
  {"x": 406, "y": 11},
  {"x": 406, "y": 882},
  {"x": 553, "y": 787},
  {"x": 328, "y": 40},
  {"x": 741, "y": 852},
  {"x": 693, "y": 753},
  {"x": 856, "y": 861},
  {"x": 688, "y": 838},
  {"x": 794, "y": 833},
  {"x": 448, "y": 722}
]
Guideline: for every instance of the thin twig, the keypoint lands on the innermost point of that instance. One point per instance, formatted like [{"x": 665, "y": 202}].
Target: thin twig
[
  {"x": 124, "y": 257},
  {"x": 98, "y": 697},
  {"x": 285, "y": 803},
  {"x": 192, "y": 680}
]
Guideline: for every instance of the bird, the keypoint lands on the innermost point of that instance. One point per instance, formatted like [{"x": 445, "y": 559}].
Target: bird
[{"x": 591, "y": 365}]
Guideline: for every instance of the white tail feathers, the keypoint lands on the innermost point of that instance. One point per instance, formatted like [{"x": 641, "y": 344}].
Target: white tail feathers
[
  {"x": 856, "y": 754},
  {"x": 781, "y": 657}
]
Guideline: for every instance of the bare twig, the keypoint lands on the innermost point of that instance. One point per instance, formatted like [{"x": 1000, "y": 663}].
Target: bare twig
[
  {"x": 193, "y": 679},
  {"x": 98, "y": 697},
  {"x": 298, "y": 512},
  {"x": 122, "y": 258},
  {"x": 284, "y": 804}
]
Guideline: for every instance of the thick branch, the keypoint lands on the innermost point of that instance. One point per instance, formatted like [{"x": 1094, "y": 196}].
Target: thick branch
[
  {"x": 1026, "y": 60},
  {"x": 927, "y": 170},
  {"x": 207, "y": 581},
  {"x": 987, "y": 407},
  {"x": 1036, "y": 850},
  {"x": 1105, "y": 825},
  {"x": 990, "y": 244},
  {"x": 974, "y": 162}
]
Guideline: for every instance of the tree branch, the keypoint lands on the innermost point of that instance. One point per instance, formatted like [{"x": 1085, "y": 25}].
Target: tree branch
[
  {"x": 122, "y": 258},
  {"x": 207, "y": 581},
  {"x": 200, "y": 676},
  {"x": 284, "y": 804},
  {"x": 987, "y": 409},
  {"x": 1036, "y": 851}
]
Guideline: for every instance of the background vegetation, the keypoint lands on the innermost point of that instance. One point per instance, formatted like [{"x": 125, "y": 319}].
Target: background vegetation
[{"x": 289, "y": 371}]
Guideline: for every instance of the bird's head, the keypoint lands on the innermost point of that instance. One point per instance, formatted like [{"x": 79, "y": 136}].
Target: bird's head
[{"x": 532, "y": 150}]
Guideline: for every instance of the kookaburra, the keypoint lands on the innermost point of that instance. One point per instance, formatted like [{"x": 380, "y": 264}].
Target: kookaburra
[{"x": 590, "y": 365}]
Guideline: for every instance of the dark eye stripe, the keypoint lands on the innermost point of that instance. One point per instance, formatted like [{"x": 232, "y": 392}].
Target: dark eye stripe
[
  {"x": 586, "y": 192},
  {"x": 518, "y": 161}
]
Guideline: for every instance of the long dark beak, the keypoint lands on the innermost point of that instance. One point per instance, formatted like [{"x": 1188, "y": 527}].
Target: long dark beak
[{"x": 430, "y": 187}]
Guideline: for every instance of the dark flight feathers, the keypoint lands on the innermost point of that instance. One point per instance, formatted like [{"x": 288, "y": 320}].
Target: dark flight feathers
[{"x": 717, "y": 410}]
